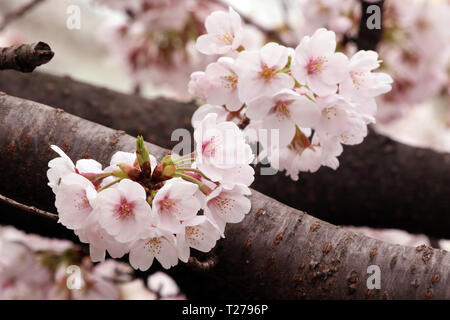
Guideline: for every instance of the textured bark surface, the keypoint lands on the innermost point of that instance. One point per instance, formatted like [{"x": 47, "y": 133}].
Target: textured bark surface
[
  {"x": 276, "y": 252},
  {"x": 25, "y": 57},
  {"x": 380, "y": 183}
]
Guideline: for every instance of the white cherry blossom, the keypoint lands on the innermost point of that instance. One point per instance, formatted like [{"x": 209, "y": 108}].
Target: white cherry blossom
[
  {"x": 124, "y": 212},
  {"x": 224, "y": 33},
  {"x": 360, "y": 83},
  {"x": 283, "y": 111},
  {"x": 259, "y": 74},
  {"x": 160, "y": 245},
  {"x": 317, "y": 65},
  {"x": 224, "y": 84},
  {"x": 174, "y": 203},
  {"x": 75, "y": 200},
  {"x": 227, "y": 206},
  {"x": 199, "y": 234}
]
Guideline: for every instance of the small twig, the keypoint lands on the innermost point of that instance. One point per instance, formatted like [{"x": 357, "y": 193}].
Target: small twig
[
  {"x": 19, "y": 12},
  {"x": 206, "y": 265},
  {"x": 271, "y": 34},
  {"x": 25, "y": 57},
  {"x": 30, "y": 209}
]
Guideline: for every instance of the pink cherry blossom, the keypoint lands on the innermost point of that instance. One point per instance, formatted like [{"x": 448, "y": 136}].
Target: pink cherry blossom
[
  {"x": 63, "y": 165},
  {"x": 199, "y": 234},
  {"x": 75, "y": 200},
  {"x": 124, "y": 212},
  {"x": 360, "y": 83},
  {"x": 227, "y": 206},
  {"x": 317, "y": 65},
  {"x": 174, "y": 203},
  {"x": 223, "y": 89},
  {"x": 282, "y": 112},
  {"x": 224, "y": 33},
  {"x": 258, "y": 71},
  {"x": 202, "y": 111},
  {"x": 222, "y": 153},
  {"x": 160, "y": 245}
]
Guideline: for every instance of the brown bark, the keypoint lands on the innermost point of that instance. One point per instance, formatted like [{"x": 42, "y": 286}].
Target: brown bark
[
  {"x": 25, "y": 57},
  {"x": 380, "y": 183},
  {"x": 276, "y": 252}
]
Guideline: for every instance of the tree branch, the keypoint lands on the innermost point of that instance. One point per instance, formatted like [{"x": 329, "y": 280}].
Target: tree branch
[
  {"x": 26, "y": 208},
  {"x": 280, "y": 252},
  {"x": 380, "y": 183},
  {"x": 19, "y": 12},
  {"x": 25, "y": 57}
]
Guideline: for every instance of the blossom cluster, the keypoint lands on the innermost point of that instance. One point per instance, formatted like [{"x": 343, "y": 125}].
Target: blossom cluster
[
  {"x": 414, "y": 47},
  {"x": 34, "y": 267},
  {"x": 315, "y": 98},
  {"x": 155, "y": 41},
  {"x": 156, "y": 210}
]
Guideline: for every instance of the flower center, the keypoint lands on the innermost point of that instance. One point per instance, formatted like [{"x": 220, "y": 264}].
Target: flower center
[
  {"x": 230, "y": 81},
  {"x": 208, "y": 147},
  {"x": 124, "y": 209},
  {"x": 166, "y": 204},
  {"x": 224, "y": 205},
  {"x": 315, "y": 65},
  {"x": 281, "y": 109},
  {"x": 226, "y": 37},
  {"x": 154, "y": 245},
  {"x": 329, "y": 112},
  {"x": 267, "y": 73},
  {"x": 194, "y": 235},
  {"x": 82, "y": 202}
]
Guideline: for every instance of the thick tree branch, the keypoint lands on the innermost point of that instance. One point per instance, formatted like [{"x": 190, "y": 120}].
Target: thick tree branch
[
  {"x": 380, "y": 183},
  {"x": 280, "y": 252},
  {"x": 25, "y": 57}
]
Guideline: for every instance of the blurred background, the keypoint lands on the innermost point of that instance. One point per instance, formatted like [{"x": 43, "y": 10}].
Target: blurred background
[{"x": 114, "y": 45}]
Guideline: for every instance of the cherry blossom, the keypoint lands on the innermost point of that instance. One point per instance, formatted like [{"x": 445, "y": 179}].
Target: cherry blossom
[
  {"x": 202, "y": 111},
  {"x": 74, "y": 200},
  {"x": 224, "y": 33},
  {"x": 258, "y": 71},
  {"x": 124, "y": 212},
  {"x": 360, "y": 83},
  {"x": 174, "y": 203},
  {"x": 160, "y": 245},
  {"x": 224, "y": 84},
  {"x": 199, "y": 234},
  {"x": 222, "y": 153},
  {"x": 283, "y": 111},
  {"x": 141, "y": 207},
  {"x": 317, "y": 65},
  {"x": 227, "y": 206}
]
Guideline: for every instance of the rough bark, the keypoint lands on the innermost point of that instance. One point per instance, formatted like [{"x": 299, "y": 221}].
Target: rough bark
[
  {"x": 25, "y": 57},
  {"x": 276, "y": 252},
  {"x": 380, "y": 183}
]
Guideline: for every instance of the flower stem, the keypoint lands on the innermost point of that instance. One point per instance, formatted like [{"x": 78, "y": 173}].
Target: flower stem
[
  {"x": 109, "y": 185},
  {"x": 181, "y": 170}
]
